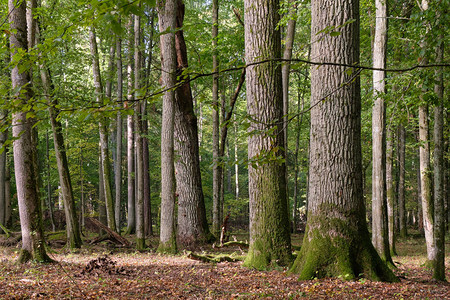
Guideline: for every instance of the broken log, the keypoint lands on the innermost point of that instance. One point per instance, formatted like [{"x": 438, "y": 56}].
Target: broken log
[{"x": 113, "y": 236}]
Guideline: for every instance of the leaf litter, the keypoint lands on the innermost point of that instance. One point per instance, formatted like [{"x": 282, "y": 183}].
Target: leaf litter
[{"x": 94, "y": 273}]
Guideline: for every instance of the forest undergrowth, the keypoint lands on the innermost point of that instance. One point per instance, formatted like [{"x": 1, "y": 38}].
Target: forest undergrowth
[{"x": 105, "y": 272}]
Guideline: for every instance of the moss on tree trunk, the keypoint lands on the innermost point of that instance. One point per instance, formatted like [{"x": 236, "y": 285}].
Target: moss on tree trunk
[{"x": 338, "y": 249}]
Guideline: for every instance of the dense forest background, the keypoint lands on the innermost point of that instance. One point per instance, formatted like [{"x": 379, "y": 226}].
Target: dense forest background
[{"x": 122, "y": 82}]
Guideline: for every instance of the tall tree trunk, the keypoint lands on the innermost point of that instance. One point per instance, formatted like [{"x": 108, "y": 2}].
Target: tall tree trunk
[
  {"x": 337, "y": 241},
  {"x": 192, "y": 224},
  {"x": 390, "y": 190},
  {"x": 101, "y": 196},
  {"x": 425, "y": 167},
  {"x": 380, "y": 234},
  {"x": 8, "y": 216},
  {"x": 119, "y": 130},
  {"x": 24, "y": 148},
  {"x": 3, "y": 138},
  {"x": 401, "y": 136},
  {"x": 104, "y": 150},
  {"x": 167, "y": 23},
  {"x": 439, "y": 167},
  {"x": 83, "y": 204},
  {"x": 285, "y": 70},
  {"x": 49, "y": 185},
  {"x": 300, "y": 106},
  {"x": 72, "y": 224},
  {"x": 236, "y": 160},
  {"x": 138, "y": 113},
  {"x": 131, "y": 228},
  {"x": 148, "y": 223},
  {"x": 270, "y": 242},
  {"x": 425, "y": 183},
  {"x": 217, "y": 161},
  {"x": 145, "y": 144}
]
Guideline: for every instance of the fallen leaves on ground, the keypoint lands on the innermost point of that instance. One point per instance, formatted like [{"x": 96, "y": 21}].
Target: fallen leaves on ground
[{"x": 153, "y": 276}]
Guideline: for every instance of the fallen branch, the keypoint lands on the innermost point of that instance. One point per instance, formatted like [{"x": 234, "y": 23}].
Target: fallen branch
[
  {"x": 112, "y": 236},
  {"x": 7, "y": 232},
  {"x": 210, "y": 258},
  {"x": 234, "y": 243}
]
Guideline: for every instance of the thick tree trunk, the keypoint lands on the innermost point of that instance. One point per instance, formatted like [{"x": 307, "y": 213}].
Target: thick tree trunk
[
  {"x": 337, "y": 241},
  {"x": 192, "y": 224},
  {"x": 24, "y": 148},
  {"x": 401, "y": 136},
  {"x": 131, "y": 228},
  {"x": 270, "y": 242},
  {"x": 380, "y": 234},
  {"x": 167, "y": 22},
  {"x": 390, "y": 190},
  {"x": 217, "y": 161}
]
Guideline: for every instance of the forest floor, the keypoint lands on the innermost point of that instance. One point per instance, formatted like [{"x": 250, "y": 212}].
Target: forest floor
[{"x": 105, "y": 272}]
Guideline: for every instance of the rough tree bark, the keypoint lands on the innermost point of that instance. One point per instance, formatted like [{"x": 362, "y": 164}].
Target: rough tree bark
[
  {"x": 380, "y": 238},
  {"x": 24, "y": 148},
  {"x": 192, "y": 223},
  {"x": 270, "y": 242},
  {"x": 167, "y": 23},
  {"x": 337, "y": 241}
]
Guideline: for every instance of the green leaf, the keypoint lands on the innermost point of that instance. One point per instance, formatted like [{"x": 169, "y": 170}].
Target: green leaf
[{"x": 335, "y": 33}]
